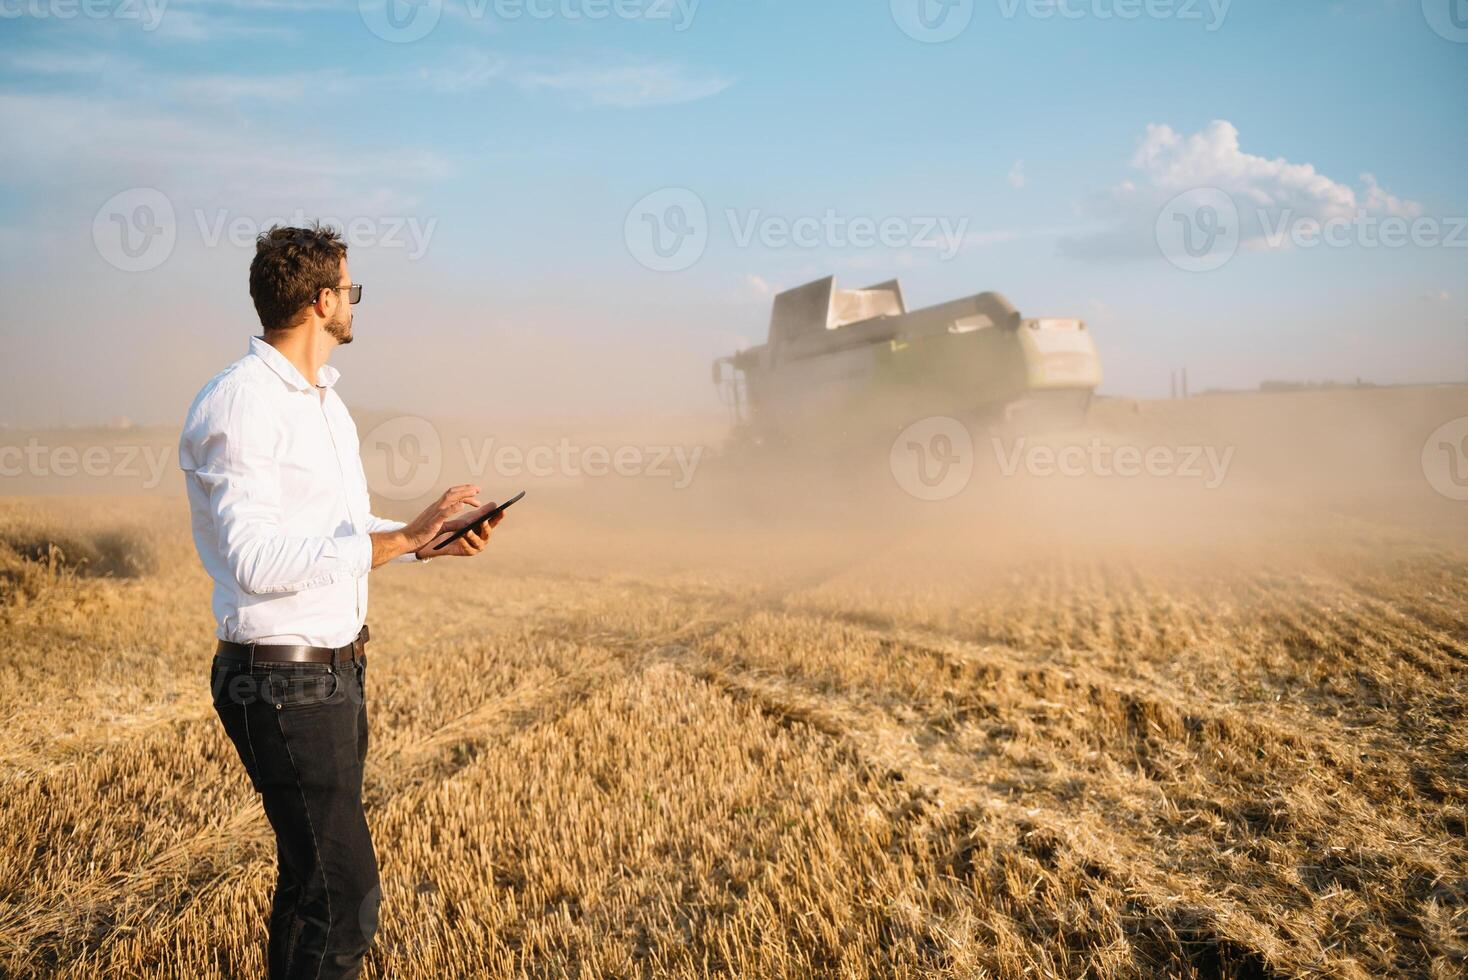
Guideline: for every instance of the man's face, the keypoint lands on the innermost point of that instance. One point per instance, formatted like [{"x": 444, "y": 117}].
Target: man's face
[{"x": 339, "y": 325}]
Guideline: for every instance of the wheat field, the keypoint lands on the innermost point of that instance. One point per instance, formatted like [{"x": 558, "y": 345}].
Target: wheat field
[{"x": 1110, "y": 732}]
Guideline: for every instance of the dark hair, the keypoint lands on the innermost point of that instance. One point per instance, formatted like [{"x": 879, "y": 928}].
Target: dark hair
[{"x": 291, "y": 266}]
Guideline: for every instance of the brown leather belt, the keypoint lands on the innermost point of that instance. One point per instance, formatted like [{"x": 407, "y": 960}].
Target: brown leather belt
[{"x": 272, "y": 653}]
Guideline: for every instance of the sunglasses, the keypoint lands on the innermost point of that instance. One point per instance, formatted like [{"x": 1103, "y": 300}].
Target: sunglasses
[{"x": 355, "y": 296}]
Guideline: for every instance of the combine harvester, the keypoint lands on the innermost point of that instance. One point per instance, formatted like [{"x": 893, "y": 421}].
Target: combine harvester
[{"x": 852, "y": 365}]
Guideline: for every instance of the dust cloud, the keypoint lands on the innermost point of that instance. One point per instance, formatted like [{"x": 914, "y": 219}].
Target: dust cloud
[{"x": 1211, "y": 476}]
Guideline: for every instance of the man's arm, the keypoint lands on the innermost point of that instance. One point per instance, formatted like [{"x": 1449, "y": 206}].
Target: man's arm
[
  {"x": 387, "y": 545},
  {"x": 235, "y": 462}
]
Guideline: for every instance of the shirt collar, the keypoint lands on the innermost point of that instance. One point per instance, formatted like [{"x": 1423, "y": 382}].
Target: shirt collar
[{"x": 325, "y": 377}]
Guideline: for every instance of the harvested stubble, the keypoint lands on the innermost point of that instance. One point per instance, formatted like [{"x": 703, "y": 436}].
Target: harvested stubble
[{"x": 1240, "y": 756}]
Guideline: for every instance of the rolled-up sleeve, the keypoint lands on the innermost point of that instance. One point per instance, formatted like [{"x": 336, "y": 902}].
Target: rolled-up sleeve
[
  {"x": 377, "y": 525},
  {"x": 234, "y": 458}
]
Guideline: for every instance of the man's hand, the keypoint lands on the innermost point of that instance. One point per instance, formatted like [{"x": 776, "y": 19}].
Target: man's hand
[
  {"x": 435, "y": 524},
  {"x": 470, "y": 544},
  {"x": 438, "y": 517}
]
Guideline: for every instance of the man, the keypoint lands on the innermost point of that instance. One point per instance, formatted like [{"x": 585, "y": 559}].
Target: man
[{"x": 281, "y": 521}]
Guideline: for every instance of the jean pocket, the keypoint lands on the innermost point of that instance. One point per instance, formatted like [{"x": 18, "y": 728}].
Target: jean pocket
[
  {"x": 295, "y": 686},
  {"x": 301, "y": 687}
]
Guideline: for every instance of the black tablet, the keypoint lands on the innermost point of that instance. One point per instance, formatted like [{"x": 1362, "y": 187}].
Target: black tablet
[{"x": 478, "y": 520}]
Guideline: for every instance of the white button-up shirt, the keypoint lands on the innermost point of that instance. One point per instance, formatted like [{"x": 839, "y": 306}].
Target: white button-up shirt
[{"x": 279, "y": 501}]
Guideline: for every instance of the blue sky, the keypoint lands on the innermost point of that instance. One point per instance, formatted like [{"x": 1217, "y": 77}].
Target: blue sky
[{"x": 490, "y": 167}]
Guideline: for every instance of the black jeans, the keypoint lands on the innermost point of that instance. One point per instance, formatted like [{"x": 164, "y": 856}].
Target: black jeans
[{"x": 301, "y": 731}]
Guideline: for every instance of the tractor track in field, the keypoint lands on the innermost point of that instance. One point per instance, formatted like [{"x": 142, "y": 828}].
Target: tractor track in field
[{"x": 943, "y": 767}]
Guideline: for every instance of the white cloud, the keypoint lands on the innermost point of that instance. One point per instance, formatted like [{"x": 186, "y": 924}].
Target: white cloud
[
  {"x": 57, "y": 62},
  {"x": 622, "y": 87},
  {"x": 1378, "y": 201},
  {"x": 466, "y": 72},
  {"x": 984, "y": 239},
  {"x": 1169, "y": 164},
  {"x": 196, "y": 137},
  {"x": 1017, "y": 178},
  {"x": 760, "y": 286},
  {"x": 251, "y": 6},
  {"x": 86, "y": 146},
  {"x": 615, "y": 85},
  {"x": 619, "y": 86},
  {"x": 229, "y": 89},
  {"x": 195, "y": 27}
]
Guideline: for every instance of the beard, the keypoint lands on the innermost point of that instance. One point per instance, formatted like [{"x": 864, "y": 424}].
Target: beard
[{"x": 339, "y": 328}]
